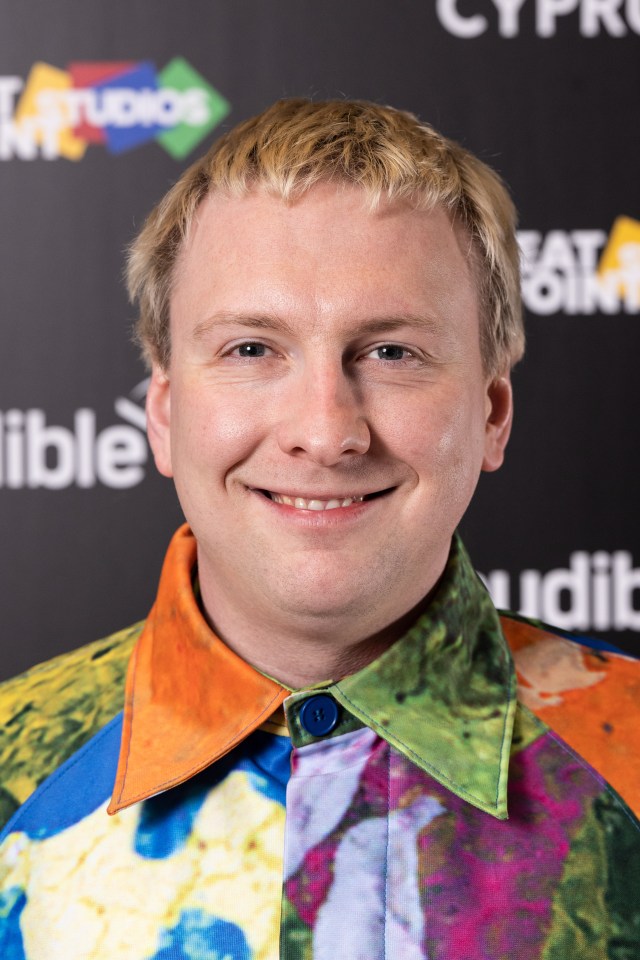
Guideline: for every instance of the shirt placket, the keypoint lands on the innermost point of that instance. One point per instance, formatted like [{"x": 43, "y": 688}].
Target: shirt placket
[{"x": 336, "y": 843}]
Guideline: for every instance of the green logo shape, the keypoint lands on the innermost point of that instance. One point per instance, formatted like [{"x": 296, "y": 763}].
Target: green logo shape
[{"x": 205, "y": 108}]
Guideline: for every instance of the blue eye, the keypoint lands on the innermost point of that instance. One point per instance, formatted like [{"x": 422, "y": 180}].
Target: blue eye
[
  {"x": 391, "y": 351},
  {"x": 251, "y": 350}
]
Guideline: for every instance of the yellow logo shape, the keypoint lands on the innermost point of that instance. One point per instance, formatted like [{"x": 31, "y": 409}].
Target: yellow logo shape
[
  {"x": 620, "y": 261},
  {"x": 43, "y": 107}
]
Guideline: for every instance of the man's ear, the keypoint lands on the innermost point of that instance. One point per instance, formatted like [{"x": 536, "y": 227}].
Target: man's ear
[
  {"x": 159, "y": 419},
  {"x": 498, "y": 423}
]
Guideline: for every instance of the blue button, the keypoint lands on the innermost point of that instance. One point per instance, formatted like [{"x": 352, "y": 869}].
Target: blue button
[{"x": 319, "y": 715}]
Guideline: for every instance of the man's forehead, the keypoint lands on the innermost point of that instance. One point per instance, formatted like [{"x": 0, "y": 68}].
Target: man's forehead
[{"x": 322, "y": 212}]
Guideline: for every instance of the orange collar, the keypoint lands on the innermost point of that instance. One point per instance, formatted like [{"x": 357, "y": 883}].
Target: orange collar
[{"x": 189, "y": 698}]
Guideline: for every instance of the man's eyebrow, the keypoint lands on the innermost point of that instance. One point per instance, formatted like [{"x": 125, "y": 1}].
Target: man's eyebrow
[
  {"x": 389, "y": 324},
  {"x": 250, "y": 320},
  {"x": 369, "y": 326}
]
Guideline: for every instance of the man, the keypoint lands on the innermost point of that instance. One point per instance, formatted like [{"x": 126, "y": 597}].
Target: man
[{"x": 329, "y": 304}]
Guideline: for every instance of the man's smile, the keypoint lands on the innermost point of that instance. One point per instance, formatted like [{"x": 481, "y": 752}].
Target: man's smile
[{"x": 319, "y": 503}]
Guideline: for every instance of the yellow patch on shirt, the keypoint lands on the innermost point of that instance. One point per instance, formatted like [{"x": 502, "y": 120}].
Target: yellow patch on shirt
[{"x": 90, "y": 895}]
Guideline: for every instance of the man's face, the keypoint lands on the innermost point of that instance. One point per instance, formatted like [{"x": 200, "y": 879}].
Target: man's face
[{"x": 325, "y": 414}]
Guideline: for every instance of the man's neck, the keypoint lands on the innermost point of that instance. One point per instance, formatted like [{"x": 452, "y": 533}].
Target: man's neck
[{"x": 306, "y": 651}]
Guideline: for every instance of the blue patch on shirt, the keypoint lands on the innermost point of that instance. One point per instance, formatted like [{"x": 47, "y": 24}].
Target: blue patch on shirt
[
  {"x": 199, "y": 936},
  {"x": 268, "y": 765},
  {"x": 74, "y": 790},
  {"x": 85, "y": 781},
  {"x": 12, "y": 903},
  {"x": 166, "y": 820}
]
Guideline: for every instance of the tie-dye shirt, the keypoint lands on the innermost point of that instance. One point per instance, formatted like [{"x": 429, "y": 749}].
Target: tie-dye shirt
[{"x": 456, "y": 810}]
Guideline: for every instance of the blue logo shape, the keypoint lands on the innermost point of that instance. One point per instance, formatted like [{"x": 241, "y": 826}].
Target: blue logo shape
[{"x": 120, "y": 138}]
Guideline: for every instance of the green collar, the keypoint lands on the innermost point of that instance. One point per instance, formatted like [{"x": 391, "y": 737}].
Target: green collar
[{"x": 444, "y": 694}]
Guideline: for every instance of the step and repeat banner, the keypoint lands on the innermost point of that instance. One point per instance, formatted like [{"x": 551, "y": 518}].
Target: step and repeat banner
[{"x": 103, "y": 104}]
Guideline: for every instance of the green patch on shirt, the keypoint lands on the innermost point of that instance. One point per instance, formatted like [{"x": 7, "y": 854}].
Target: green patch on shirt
[{"x": 52, "y": 710}]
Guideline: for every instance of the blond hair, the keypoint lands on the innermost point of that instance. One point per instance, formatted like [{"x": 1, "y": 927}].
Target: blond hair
[{"x": 297, "y": 143}]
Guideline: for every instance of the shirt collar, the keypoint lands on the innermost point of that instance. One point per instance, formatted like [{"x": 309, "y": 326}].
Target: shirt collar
[
  {"x": 444, "y": 694},
  {"x": 189, "y": 699}
]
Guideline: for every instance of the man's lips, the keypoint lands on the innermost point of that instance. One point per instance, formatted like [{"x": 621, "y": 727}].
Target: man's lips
[{"x": 319, "y": 503}]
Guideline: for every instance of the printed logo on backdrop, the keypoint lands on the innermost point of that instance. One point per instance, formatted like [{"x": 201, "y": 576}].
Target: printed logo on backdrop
[
  {"x": 468, "y": 19},
  {"x": 118, "y": 105},
  {"x": 582, "y": 271},
  {"x": 36, "y": 454},
  {"x": 594, "y": 591}
]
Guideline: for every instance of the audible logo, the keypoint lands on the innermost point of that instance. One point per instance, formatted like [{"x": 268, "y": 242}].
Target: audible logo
[
  {"x": 35, "y": 454},
  {"x": 615, "y": 18},
  {"x": 582, "y": 271},
  {"x": 595, "y": 592}
]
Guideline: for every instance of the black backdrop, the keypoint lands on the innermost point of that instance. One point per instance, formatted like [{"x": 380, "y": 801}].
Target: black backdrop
[{"x": 545, "y": 91}]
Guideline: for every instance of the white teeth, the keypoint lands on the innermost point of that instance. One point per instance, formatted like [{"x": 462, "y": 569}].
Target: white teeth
[{"x": 300, "y": 503}]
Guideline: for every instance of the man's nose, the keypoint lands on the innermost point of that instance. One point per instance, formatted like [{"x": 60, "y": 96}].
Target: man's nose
[{"x": 323, "y": 416}]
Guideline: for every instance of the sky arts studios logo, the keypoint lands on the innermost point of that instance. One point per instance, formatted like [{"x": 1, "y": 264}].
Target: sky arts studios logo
[
  {"x": 119, "y": 105},
  {"x": 35, "y": 454},
  {"x": 468, "y": 19},
  {"x": 582, "y": 271}
]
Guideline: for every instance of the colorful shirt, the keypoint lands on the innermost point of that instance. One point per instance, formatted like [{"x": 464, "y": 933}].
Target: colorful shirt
[{"x": 432, "y": 806}]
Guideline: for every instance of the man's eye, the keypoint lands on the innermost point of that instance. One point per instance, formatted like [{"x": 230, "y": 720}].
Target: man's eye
[
  {"x": 250, "y": 350},
  {"x": 391, "y": 351}
]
